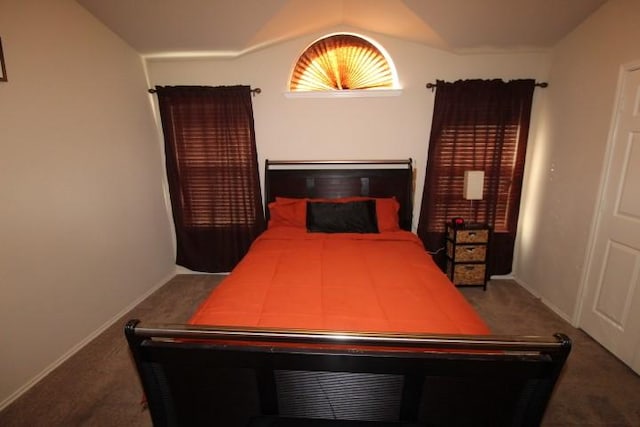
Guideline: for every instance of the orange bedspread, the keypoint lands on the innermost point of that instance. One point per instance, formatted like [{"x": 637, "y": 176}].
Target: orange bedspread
[{"x": 382, "y": 282}]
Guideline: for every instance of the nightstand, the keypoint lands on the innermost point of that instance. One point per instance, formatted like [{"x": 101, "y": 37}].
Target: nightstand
[{"x": 466, "y": 248}]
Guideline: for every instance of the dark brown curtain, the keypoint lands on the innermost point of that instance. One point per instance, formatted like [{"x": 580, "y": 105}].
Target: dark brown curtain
[
  {"x": 212, "y": 168},
  {"x": 477, "y": 125}
]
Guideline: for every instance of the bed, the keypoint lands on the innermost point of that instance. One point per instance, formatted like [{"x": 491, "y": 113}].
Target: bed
[{"x": 338, "y": 316}]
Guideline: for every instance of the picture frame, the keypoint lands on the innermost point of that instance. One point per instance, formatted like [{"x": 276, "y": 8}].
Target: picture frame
[{"x": 3, "y": 68}]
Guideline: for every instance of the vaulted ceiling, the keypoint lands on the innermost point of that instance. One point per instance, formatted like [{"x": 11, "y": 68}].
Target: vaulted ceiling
[{"x": 155, "y": 27}]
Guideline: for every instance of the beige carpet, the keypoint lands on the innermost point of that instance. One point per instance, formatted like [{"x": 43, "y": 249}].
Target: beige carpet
[{"x": 98, "y": 386}]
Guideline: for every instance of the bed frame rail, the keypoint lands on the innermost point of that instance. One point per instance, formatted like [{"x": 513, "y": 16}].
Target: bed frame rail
[{"x": 265, "y": 377}]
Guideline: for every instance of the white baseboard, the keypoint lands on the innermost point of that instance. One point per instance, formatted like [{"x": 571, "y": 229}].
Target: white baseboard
[
  {"x": 545, "y": 301},
  {"x": 184, "y": 270},
  {"x": 503, "y": 277},
  {"x": 33, "y": 381}
]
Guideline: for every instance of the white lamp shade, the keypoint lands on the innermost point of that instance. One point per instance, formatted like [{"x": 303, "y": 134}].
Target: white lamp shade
[{"x": 473, "y": 185}]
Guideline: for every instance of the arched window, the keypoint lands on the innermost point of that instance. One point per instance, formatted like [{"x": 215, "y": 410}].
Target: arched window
[{"x": 343, "y": 62}]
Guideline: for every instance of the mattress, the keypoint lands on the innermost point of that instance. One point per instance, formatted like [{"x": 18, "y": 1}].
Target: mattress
[{"x": 373, "y": 282}]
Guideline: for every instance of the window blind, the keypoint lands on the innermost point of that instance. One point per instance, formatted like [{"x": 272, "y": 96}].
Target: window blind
[
  {"x": 341, "y": 62},
  {"x": 212, "y": 169},
  {"x": 477, "y": 125}
]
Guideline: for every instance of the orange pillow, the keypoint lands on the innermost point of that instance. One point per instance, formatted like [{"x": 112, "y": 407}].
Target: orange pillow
[
  {"x": 387, "y": 211},
  {"x": 290, "y": 213},
  {"x": 293, "y": 212}
]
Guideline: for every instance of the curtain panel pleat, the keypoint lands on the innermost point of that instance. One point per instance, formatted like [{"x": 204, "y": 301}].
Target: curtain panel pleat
[
  {"x": 477, "y": 125},
  {"x": 212, "y": 169}
]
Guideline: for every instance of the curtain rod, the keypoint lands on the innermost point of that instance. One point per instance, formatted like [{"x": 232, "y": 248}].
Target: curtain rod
[
  {"x": 433, "y": 86},
  {"x": 254, "y": 92}
]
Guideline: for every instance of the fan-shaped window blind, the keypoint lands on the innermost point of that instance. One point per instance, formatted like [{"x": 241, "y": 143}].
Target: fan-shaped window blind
[{"x": 342, "y": 62}]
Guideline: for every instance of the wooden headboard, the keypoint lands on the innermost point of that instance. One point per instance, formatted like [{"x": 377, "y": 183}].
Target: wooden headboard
[{"x": 342, "y": 178}]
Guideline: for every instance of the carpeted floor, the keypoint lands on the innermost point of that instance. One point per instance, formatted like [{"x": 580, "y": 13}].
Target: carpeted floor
[{"x": 98, "y": 385}]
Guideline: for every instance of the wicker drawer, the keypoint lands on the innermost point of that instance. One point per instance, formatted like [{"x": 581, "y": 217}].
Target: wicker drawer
[
  {"x": 467, "y": 249},
  {"x": 466, "y": 253},
  {"x": 469, "y": 236},
  {"x": 467, "y": 274}
]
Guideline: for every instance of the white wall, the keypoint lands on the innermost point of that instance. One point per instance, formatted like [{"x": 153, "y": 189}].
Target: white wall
[
  {"x": 568, "y": 159},
  {"x": 346, "y": 128},
  {"x": 83, "y": 227}
]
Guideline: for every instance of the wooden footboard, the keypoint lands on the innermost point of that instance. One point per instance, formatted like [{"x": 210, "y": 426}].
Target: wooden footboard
[{"x": 265, "y": 377}]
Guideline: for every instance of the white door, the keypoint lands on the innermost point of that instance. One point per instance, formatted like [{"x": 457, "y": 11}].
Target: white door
[{"x": 611, "y": 305}]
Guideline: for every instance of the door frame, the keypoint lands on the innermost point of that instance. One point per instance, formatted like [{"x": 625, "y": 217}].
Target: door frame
[{"x": 604, "y": 180}]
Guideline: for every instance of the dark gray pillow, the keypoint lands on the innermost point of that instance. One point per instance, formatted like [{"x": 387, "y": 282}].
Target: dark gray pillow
[{"x": 348, "y": 217}]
